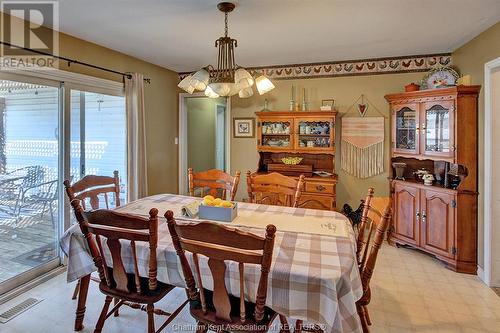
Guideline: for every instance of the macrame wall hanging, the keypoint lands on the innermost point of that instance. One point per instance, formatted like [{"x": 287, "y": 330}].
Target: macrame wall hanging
[{"x": 362, "y": 146}]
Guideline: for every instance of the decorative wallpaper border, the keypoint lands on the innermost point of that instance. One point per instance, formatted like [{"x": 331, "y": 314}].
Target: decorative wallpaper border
[{"x": 393, "y": 65}]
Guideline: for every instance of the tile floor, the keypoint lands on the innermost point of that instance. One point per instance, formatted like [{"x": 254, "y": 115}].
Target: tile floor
[{"x": 411, "y": 292}]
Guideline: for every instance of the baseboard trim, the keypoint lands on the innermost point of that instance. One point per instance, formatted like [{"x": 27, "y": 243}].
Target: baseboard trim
[
  {"x": 480, "y": 273},
  {"x": 31, "y": 284}
]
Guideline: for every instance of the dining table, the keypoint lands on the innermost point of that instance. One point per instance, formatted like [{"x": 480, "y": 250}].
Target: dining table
[{"x": 313, "y": 277}]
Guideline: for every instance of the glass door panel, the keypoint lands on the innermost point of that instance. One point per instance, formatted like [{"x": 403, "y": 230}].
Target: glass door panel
[
  {"x": 29, "y": 180},
  {"x": 98, "y": 137},
  {"x": 314, "y": 134},
  {"x": 276, "y": 134},
  {"x": 438, "y": 129},
  {"x": 406, "y": 129}
]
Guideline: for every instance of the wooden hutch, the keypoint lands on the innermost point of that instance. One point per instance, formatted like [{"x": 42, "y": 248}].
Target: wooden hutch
[
  {"x": 436, "y": 130},
  {"x": 306, "y": 134}
]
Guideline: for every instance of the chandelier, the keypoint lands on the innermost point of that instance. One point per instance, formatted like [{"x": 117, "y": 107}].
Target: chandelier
[{"x": 228, "y": 79}]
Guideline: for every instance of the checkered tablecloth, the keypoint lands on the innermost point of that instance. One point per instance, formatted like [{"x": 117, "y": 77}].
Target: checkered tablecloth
[{"x": 313, "y": 277}]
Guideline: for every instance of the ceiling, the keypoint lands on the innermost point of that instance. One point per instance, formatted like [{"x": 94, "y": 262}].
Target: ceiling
[{"x": 180, "y": 34}]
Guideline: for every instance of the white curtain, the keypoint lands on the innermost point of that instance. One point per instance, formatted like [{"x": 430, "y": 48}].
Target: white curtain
[{"x": 136, "y": 137}]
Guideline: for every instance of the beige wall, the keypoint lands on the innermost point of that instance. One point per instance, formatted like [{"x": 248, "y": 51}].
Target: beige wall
[
  {"x": 201, "y": 113},
  {"x": 161, "y": 99},
  {"x": 470, "y": 59},
  {"x": 345, "y": 91}
]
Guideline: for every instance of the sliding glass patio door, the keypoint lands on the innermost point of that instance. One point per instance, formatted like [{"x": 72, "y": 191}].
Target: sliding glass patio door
[
  {"x": 30, "y": 175},
  {"x": 50, "y": 131},
  {"x": 98, "y": 136}
]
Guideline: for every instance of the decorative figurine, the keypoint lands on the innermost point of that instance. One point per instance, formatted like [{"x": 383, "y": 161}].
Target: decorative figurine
[{"x": 428, "y": 179}]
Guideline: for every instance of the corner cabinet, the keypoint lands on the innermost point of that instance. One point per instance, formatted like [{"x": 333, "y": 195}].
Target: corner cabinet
[
  {"x": 436, "y": 128},
  {"x": 306, "y": 134}
]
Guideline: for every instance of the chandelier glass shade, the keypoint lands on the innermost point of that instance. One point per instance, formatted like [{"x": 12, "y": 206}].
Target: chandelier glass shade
[{"x": 228, "y": 79}]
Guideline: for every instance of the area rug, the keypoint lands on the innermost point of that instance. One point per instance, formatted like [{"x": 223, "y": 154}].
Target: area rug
[{"x": 37, "y": 256}]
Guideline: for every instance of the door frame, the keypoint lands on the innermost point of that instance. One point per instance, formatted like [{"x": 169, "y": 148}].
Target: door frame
[
  {"x": 486, "y": 272},
  {"x": 182, "y": 138},
  {"x": 216, "y": 109},
  {"x": 63, "y": 80}
]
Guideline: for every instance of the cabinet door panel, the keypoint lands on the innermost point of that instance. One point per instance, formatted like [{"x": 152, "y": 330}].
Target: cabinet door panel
[
  {"x": 405, "y": 128},
  {"x": 437, "y": 128},
  {"x": 313, "y": 201},
  {"x": 438, "y": 222},
  {"x": 406, "y": 205}
]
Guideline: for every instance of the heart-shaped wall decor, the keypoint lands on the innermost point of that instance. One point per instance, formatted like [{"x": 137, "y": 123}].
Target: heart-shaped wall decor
[{"x": 362, "y": 108}]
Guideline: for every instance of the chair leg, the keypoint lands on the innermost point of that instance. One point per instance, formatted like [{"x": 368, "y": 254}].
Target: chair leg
[
  {"x": 284, "y": 325},
  {"x": 362, "y": 318},
  {"x": 104, "y": 312},
  {"x": 77, "y": 289},
  {"x": 298, "y": 326},
  {"x": 116, "y": 300},
  {"x": 201, "y": 327},
  {"x": 367, "y": 315},
  {"x": 151, "y": 318}
]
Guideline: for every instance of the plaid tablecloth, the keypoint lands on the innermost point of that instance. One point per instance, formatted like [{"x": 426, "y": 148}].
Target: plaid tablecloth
[{"x": 313, "y": 276}]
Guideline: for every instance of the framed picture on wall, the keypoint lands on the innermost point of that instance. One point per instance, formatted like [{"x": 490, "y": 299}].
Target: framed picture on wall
[{"x": 243, "y": 127}]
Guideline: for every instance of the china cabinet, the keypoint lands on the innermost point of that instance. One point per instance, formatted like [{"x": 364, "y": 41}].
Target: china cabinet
[
  {"x": 309, "y": 135},
  {"x": 436, "y": 132}
]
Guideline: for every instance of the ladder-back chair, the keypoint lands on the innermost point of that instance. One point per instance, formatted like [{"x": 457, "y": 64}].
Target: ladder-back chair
[
  {"x": 367, "y": 264},
  {"x": 106, "y": 227},
  {"x": 217, "y": 309},
  {"x": 89, "y": 190},
  {"x": 363, "y": 236},
  {"x": 214, "y": 182},
  {"x": 368, "y": 260},
  {"x": 274, "y": 189}
]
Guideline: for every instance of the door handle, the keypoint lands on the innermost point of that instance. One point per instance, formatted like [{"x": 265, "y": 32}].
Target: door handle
[
  {"x": 417, "y": 215},
  {"x": 424, "y": 216},
  {"x": 320, "y": 188}
]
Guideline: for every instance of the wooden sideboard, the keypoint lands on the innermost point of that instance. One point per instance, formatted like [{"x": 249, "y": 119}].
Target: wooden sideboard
[
  {"x": 309, "y": 135},
  {"x": 437, "y": 130}
]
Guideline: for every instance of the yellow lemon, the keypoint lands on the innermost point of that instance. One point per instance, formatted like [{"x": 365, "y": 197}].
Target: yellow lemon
[
  {"x": 226, "y": 204},
  {"x": 208, "y": 197},
  {"x": 217, "y": 201},
  {"x": 207, "y": 202}
]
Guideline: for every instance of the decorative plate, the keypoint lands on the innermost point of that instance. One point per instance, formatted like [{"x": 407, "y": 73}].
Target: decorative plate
[{"x": 440, "y": 78}]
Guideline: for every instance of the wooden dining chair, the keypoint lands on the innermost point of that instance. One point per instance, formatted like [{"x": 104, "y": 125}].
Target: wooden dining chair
[
  {"x": 217, "y": 309},
  {"x": 214, "y": 182},
  {"x": 363, "y": 235},
  {"x": 368, "y": 260},
  {"x": 274, "y": 189},
  {"x": 106, "y": 227},
  {"x": 368, "y": 257},
  {"x": 90, "y": 190}
]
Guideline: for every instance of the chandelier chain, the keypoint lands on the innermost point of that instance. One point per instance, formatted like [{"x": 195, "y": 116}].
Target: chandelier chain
[{"x": 225, "y": 25}]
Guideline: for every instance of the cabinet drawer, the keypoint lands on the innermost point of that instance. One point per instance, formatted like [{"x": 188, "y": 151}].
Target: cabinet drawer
[
  {"x": 318, "y": 187},
  {"x": 317, "y": 202}
]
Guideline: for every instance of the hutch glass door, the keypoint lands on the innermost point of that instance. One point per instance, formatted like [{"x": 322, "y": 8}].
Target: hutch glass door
[
  {"x": 406, "y": 129},
  {"x": 275, "y": 134},
  {"x": 314, "y": 134},
  {"x": 438, "y": 129}
]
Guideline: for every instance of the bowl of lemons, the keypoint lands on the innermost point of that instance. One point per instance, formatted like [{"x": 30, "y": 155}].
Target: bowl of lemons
[{"x": 217, "y": 209}]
